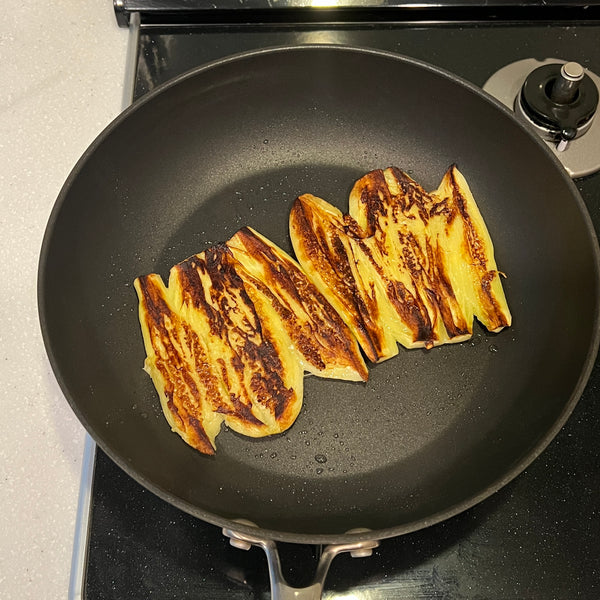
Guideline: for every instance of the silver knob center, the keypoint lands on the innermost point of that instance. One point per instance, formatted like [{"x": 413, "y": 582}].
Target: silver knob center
[{"x": 572, "y": 71}]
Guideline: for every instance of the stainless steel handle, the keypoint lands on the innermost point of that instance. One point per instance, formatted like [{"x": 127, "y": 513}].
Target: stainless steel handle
[{"x": 280, "y": 590}]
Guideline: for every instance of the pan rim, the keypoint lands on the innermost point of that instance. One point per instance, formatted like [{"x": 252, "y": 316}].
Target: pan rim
[{"x": 295, "y": 537}]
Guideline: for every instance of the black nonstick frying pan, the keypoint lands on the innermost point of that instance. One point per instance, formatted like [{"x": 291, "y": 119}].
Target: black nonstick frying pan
[{"x": 232, "y": 144}]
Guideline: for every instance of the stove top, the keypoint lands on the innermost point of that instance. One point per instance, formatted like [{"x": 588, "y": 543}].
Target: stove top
[
  {"x": 534, "y": 539},
  {"x": 162, "y": 12}
]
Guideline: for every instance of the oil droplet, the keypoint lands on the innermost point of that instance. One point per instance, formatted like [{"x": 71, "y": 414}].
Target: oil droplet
[
  {"x": 475, "y": 341},
  {"x": 321, "y": 458}
]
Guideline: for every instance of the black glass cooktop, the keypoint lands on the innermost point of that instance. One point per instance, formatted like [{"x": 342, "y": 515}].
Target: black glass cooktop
[{"x": 535, "y": 539}]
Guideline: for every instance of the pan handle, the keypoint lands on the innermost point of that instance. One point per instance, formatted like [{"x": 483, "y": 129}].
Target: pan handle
[{"x": 280, "y": 590}]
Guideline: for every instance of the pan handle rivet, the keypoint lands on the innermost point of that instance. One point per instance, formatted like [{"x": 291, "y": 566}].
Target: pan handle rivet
[
  {"x": 363, "y": 549},
  {"x": 361, "y": 553},
  {"x": 238, "y": 540},
  {"x": 241, "y": 544}
]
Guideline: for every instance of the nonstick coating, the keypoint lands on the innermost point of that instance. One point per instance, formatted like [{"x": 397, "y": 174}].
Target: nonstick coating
[{"x": 233, "y": 144}]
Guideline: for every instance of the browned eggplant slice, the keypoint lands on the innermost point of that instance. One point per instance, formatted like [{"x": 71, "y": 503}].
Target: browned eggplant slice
[
  {"x": 404, "y": 265},
  {"x": 467, "y": 253},
  {"x": 264, "y": 381},
  {"x": 326, "y": 245},
  {"x": 295, "y": 309},
  {"x": 177, "y": 359}
]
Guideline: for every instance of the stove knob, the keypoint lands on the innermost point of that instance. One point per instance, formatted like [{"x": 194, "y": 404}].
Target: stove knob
[{"x": 560, "y": 101}]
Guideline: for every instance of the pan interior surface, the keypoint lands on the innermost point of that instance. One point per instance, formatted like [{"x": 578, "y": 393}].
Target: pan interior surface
[{"x": 234, "y": 144}]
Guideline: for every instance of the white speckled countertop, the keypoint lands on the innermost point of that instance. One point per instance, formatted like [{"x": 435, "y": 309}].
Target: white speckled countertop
[{"x": 61, "y": 82}]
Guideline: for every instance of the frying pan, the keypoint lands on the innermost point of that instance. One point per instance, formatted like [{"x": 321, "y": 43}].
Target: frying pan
[{"x": 233, "y": 143}]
